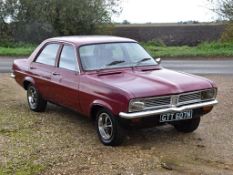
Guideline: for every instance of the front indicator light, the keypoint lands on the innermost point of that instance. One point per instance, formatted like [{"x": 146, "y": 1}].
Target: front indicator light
[{"x": 207, "y": 109}]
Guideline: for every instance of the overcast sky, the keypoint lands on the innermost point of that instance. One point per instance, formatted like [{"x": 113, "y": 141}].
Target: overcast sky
[{"x": 142, "y": 11}]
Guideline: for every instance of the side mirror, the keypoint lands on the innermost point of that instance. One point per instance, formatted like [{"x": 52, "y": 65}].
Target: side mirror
[{"x": 158, "y": 60}]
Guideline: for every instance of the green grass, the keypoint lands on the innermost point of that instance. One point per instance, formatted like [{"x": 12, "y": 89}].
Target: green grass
[
  {"x": 157, "y": 49},
  {"x": 20, "y": 51},
  {"x": 16, "y": 49},
  {"x": 214, "y": 49}
]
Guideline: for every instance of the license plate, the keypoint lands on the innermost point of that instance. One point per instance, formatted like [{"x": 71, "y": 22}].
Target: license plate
[{"x": 169, "y": 117}]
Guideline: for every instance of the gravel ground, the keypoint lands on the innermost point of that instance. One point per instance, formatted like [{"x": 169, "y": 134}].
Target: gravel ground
[{"x": 61, "y": 142}]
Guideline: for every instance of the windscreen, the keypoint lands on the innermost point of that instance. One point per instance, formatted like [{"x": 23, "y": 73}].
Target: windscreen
[{"x": 114, "y": 55}]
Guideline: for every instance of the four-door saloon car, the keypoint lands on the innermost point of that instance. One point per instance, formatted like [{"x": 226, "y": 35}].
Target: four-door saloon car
[{"x": 115, "y": 82}]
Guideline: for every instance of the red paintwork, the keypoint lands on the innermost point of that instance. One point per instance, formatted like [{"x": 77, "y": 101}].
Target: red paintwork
[{"x": 112, "y": 89}]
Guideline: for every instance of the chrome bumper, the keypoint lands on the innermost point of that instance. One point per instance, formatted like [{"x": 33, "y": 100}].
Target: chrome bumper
[{"x": 160, "y": 111}]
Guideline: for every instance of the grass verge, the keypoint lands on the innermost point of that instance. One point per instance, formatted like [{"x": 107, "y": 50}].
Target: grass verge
[
  {"x": 20, "y": 51},
  {"x": 16, "y": 49},
  {"x": 214, "y": 49},
  {"x": 156, "y": 49}
]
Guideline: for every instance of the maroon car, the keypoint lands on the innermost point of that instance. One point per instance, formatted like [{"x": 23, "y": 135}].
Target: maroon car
[{"x": 115, "y": 82}]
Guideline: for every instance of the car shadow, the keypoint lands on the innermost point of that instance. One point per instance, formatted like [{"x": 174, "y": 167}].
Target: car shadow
[
  {"x": 145, "y": 138},
  {"x": 155, "y": 135}
]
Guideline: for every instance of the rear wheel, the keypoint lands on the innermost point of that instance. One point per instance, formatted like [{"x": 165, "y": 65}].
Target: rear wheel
[
  {"x": 187, "y": 126},
  {"x": 35, "y": 101},
  {"x": 108, "y": 128}
]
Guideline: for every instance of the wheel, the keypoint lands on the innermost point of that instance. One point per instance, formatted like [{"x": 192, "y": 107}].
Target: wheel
[
  {"x": 35, "y": 101},
  {"x": 187, "y": 126},
  {"x": 108, "y": 128}
]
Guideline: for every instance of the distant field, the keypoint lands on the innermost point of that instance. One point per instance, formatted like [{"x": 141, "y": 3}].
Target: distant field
[
  {"x": 213, "y": 49},
  {"x": 167, "y": 25},
  {"x": 172, "y": 34}
]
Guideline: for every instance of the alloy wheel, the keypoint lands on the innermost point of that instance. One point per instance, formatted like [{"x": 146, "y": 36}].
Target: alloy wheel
[{"x": 105, "y": 126}]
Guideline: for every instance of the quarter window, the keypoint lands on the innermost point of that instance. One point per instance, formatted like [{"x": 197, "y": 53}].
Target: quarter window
[
  {"x": 68, "y": 59},
  {"x": 48, "y": 55}
]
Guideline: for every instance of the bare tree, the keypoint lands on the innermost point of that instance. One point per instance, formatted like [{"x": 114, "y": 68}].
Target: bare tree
[{"x": 224, "y": 8}]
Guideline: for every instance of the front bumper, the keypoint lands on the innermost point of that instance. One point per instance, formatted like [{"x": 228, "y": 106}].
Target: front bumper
[{"x": 143, "y": 114}]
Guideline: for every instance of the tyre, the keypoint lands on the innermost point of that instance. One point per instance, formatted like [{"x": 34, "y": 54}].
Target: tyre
[
  {"x": 35, "y": 101},
  {"x": 187, "y": 126},
  {"x": 108, "y": 128}
]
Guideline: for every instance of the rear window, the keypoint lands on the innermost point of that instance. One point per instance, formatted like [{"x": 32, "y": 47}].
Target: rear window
[{"x": 48, "y": 54}]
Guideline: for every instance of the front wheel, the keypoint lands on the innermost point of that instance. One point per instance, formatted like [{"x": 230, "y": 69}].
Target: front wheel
[
  {"x": 108, "y": 128},
  {"x": 35, "y": 101},
  {"x": 187, "y": 126}
]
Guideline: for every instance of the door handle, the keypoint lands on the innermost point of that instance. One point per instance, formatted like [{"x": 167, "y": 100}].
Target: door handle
[
  {"x": 32, "y": 67},
  {"x": 55, "y": 73}
]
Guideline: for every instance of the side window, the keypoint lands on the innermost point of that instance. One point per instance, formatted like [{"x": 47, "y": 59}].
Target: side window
[
  {"x": 48, "y": 54},
  {"x": 68, "y": 59}
]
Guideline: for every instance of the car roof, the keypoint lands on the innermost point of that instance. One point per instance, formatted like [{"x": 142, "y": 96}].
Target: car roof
[{"x": 92, "y": 39}]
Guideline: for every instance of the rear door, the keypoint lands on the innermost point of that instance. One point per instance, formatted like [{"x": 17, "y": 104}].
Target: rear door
[
  {"x": 66, "y": 78},
  {"x": 43, "y": 67}
]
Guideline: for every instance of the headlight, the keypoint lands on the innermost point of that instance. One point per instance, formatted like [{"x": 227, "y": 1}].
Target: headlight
[
  {"x": 136, "y": 105},
  {"x": 209, "y": 94}
]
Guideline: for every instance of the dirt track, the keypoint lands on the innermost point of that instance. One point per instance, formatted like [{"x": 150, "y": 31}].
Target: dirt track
[{"x": 59, "y": 141}]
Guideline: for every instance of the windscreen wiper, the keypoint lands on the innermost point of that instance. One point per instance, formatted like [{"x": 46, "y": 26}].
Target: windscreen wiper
[
  {"x": 142, "y": 60},
  {"x": 111, "y": 64},
  {"x": 115, "y": 62}
]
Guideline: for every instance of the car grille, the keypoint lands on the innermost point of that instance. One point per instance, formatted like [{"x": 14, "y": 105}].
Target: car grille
[
  {"x": 159, "y": 102},
  {"x": 188, "y": 98},
  {"x": 173, "y": 100}
]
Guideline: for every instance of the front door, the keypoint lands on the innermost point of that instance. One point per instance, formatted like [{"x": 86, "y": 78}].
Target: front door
[{"x": 66, "y": 78}]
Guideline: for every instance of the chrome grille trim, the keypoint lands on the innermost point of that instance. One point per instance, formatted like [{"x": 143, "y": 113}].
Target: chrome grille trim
[
  {"x": 173, "y": 100},
  {"x": 157, "y": 102},
  {"x": 188, "y": 98}
]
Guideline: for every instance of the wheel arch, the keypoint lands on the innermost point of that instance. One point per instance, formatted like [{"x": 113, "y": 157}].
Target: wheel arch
[
  {"x": 96, "y": 106},
  {"x": 27, "y": 81}
]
